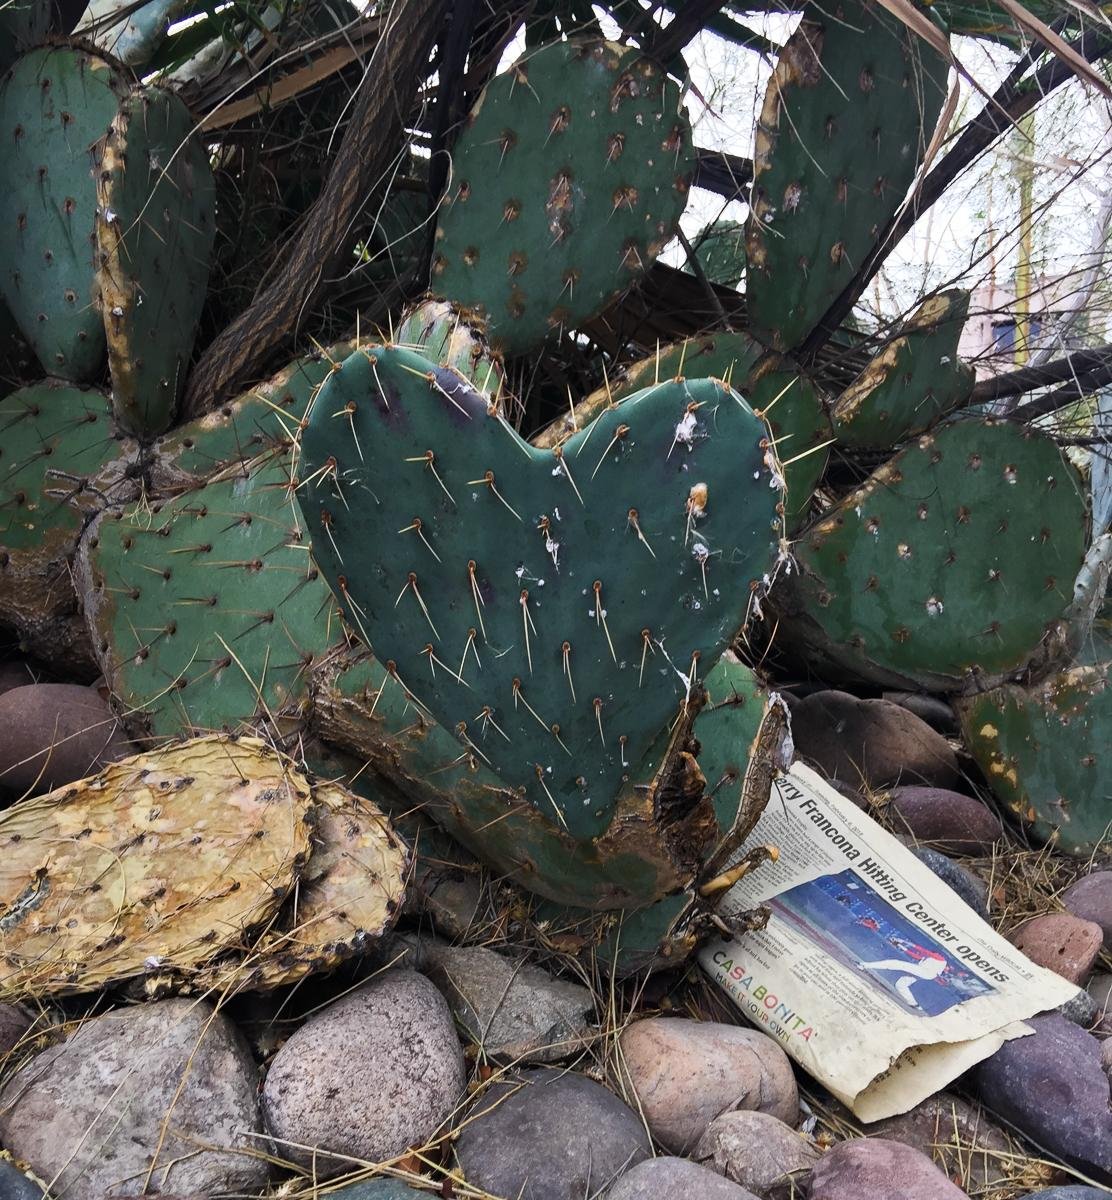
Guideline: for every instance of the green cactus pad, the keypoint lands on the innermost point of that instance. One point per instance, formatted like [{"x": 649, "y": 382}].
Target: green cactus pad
[
  {"x": 568, "y": 181},
  {"x": 912, "y": 383},
  {"x": 261, "y": 422},
  {"x": 60, "y": 462},
  {"x": 949, "y": 567},
  {"x": 1044, "y": 751},
  {"x": 664, "y": 826},
  {"x": 206, "y": 611},
  {"x": 23, "y": 23},
  {"x": 720, "y": 251},
  {"x": 55, "y": 106},
  {"x": 137, "y": 31},
  {"x": 586, "y": 561},
  {"x": 794, "y": 412},
  {"x": 155, "y": 226},
  {"x": 847, "y": 118},
  {"x": 439, "y": 332}
]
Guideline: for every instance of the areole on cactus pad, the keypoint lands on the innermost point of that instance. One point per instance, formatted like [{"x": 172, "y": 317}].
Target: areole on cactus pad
[{"x": 554, "y": 609}]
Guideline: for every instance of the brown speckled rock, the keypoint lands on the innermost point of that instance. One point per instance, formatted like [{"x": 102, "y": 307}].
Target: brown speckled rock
[
  {"x": 685, "y": 1073},
  {"x": 1060, "y": 942},
  {"x": 872, "y": 1168},
  {"x": 54, "y": 733},
  {"x": 89, "y": 1113},
  {"x": 759, "y": 1152},
  {"x": 870, "y": 742},
  {"x": 368, "y": 1076},
  {"x": 955, "y": 823}
]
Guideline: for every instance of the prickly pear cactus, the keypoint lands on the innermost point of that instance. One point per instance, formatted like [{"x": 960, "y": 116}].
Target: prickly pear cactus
[
  {"x": 667, "y": 820},
  {"x": 1044, "y": 751},
  {"x": 23, "y": 23},
  {"x": 552, "y": 608},
  {"x": 951, "y": 566},
  {"x": 156, "y": 865},
  {"x": 60, "y": 462},
  {"x": 206, "y": 611},
  {"x": 568, "y": 181},
  {"x": 349, "y": 894},
  {"x": 130, "y": 32},
  {"x": 720, "y": 251},
  {"x": 263, "y": 422},
  {"x": 775, "y": 387},
  {"x": 439, "y": 332},
  {"x": 847, "y": 117},
  {"x": 56, "y": 105},
  {"x": 155, "y": 225},
  {"x": 912, "y": 383}
]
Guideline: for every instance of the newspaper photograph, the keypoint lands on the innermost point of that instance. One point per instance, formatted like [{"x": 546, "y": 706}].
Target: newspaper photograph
[{"x": 871, "y": 973}]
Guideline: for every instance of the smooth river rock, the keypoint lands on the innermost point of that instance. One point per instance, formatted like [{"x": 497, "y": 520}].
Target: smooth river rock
[{"x": 685, "y": 1073}]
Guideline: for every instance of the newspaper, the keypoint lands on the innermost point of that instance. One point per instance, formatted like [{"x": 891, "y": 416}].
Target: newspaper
[{"x": 871, "y": 973}]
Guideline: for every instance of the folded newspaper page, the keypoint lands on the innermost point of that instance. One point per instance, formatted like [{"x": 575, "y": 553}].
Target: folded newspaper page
[{"x": 871, "y": 973}]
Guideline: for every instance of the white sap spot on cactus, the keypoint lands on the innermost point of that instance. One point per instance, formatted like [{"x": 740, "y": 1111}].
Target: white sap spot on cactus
[
  {"x": 553, "y": 548},
  {"x": 934, "y": 606},
  {"x": 540, "y": 583},
  {"x": 903, "y": 550},
  {"x": 153, "y": 962},
  {"x": 944, "y": 360},
  {"x": 700, "y": 553},
  {"x": 519, "y": 572},
  {"x": 556, "y": 513},
  {"x": 756, "y": 474},
  {"x": 685, "y": 430},
  {"x": 716, "y": 592},
  {"x": 111, "y": 216},
  {"x": 1010, "y": 474},
  {"x": 639, "y": 119}
]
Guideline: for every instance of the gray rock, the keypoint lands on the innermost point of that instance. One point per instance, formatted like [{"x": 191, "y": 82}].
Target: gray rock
[
  {"x": 957, "y": 1137},
  {"x": 972, "y": 889},
  {"x": 1052, "y": 1086},
  {"x": 871, "y": 742},
  {"x": 14, "y": 1185},
  {"x": 549, "y": 1135},
  {"x": 872, "y": 1168},
  {"x": 15, "y": 1021},
  {"x": 1081, "y": 1009},
  {"x": 675, "y": 1179},
  {"x": 1091, "y": 899},
  {"x": 685, "y": 1073},
  {"x": 93, "y": 1110},
  {"x": 1100, "y": 988},
  {"x": 374, "y": 1073},
  {"x": 1069, "y": 1192},
  {"x": 956, "y": 823},
  {"x": 759, "y": 1152},
  {"x": 515, "y": 1011},
  {"x": 379, "y": 1189},
  {"x": 937, "y": 713}
]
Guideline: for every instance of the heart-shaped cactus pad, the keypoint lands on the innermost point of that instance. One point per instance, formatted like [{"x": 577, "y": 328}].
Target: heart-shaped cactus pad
[{"x": 555, "y": 609}]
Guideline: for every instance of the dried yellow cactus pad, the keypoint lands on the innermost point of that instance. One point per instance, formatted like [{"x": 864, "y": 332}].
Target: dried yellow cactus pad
[
  {"x": 349, "y": 895},
  {"x": 152, "y": 867}
]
